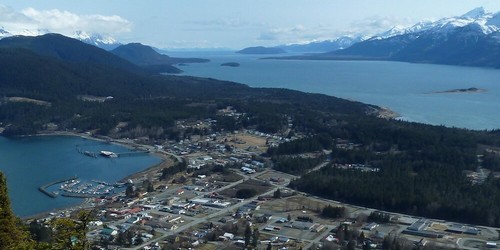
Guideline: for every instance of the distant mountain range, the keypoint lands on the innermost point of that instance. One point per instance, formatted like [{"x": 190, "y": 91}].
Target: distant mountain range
[
  {"x": 322, "y": 46},
  {"x": 147, "y": 57},
  {"x": 472, "y": 39},
  {"x": 99, "y": 40},
  {"x": 133, "y": 57},
  {"x": 260, "y": 50},
  {"x": 310, "y": 47},
  {"x": 67, "y": 49}
]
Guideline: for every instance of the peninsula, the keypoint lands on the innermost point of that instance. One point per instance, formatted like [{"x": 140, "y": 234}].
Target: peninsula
[
  {"x": 469, "y": 90},
  {"x": 260, "y": 50}
]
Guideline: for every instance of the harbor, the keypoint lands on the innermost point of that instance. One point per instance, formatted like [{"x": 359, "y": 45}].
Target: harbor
[
  {"x": 110, "y": 154},
  {"x": 44, "y": 190},
  {"x": 73, "y": 187}
]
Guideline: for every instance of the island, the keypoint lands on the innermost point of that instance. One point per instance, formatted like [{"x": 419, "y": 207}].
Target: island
[
  {"x": 230, "y": 64},
  {"x": 469, "y": 90},
  {"x": 260, "y": 50}
]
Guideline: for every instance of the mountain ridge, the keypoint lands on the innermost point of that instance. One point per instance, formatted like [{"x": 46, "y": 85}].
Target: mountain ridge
[
  {"x": 471, "y": 39},
  {"x": 147, "y": 57},
  {"x": 69, "y": 50}
]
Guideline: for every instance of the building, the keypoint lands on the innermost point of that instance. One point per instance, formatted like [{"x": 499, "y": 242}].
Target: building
[
  {"x": 302, "y": 225},
  {"x": 370, "y": 226}
]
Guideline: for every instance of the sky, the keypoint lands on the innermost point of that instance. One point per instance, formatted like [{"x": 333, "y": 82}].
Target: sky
[{"x": 232, "y": 24}]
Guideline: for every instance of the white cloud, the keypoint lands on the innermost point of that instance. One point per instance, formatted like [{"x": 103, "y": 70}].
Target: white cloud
[
  {"x": 281, "y": 34},
  {"x": 60, "y": 21},
  {"x": 377, "y": 24}
]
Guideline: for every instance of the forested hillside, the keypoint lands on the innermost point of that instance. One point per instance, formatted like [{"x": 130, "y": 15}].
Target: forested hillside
[{"x": 386, "y": 164}]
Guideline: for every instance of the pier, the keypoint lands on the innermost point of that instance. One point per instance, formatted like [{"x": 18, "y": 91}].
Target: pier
[
  {"x": 86, "y": 152},
  {"x": 133, "y": 153},
  {"x": 77, "y": 195},
  {"x": 44, "y": 190}
]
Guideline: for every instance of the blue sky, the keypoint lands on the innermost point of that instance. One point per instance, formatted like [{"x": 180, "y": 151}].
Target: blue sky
[{"x": 227, "y": 23}]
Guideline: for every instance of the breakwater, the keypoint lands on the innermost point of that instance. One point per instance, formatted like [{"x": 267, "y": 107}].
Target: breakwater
[{"x": 44, "y": 190}]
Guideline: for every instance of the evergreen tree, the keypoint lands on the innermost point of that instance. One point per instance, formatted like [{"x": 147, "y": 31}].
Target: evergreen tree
[
  {"x": 277, "y": 194},
  {"x": 248, "y": 235},
  {"x": 255, "y": 237},
  {"x": 11, "y": 234},
  {"x": 269, "y": 246}
]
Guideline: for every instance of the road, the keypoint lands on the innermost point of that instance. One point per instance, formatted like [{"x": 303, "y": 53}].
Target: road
[{"x": 221, "y": 212}]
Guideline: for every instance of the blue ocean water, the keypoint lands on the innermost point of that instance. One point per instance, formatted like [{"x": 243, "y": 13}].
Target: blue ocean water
[
  {"x": 401, "y": 87},
  {"x": 30, "y": 162}
]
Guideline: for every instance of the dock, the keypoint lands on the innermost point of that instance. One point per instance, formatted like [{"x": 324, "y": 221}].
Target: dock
[
  {"x": 86, "y": 152},
  {"x": 133, "y": 153},
  {"x": 44, "y": 190},
  {"x": 76, "y": 195}
]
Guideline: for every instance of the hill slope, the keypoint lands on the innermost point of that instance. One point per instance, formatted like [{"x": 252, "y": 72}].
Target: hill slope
[
  {"x": 147, "y": 57},
  {"x": 67, "y": 49}
]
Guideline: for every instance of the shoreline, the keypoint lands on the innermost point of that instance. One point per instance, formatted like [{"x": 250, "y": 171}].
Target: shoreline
[
  {"x": 383, "y": 113},
  {"x": 472, "y": 90},
  {"x": 166, "y": 159}
]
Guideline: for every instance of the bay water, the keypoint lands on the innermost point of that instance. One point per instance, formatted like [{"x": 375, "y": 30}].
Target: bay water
[
  {"x": 30, "y": 162},
  {"x": 406, "y": 88}
]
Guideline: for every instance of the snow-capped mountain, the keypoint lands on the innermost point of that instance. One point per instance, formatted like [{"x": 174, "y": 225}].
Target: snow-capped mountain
[
  {"x": 484, "y": 21},
  {"x": 4, "y": 33},
  {"x": 471, "y": 39},
  {"x": 323, "y": 46},
  {"x": 104, "y": 42},
  {"x": 101, "y": 41},
  {"x": 477, "y": 19}
]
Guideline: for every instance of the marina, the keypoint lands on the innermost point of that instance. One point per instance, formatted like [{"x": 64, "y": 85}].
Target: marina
[
  {"x": 44, "y": 190},
  {"x": 110, "y": 154},
  {"x": 27, "y": 172},
  {"x": 77, "y": 188},
  {"x": 73, "y": 187}
]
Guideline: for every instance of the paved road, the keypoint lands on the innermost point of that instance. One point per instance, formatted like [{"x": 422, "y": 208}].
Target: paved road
[{"x": 197, "y": 221}]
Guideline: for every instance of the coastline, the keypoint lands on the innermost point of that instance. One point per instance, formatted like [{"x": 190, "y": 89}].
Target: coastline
[
  {"x": 166, "y": 161},
  {"x": 472, "y": 90},
  {"x": 383, "y": 112}
]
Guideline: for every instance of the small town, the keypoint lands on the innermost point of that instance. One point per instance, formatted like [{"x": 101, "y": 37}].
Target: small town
[
  {"x": 249, "y": 125},
  {"x": 220, "y": 192}
]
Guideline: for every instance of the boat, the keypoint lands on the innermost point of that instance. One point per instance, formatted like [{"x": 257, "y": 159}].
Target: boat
[{"x": 108, "y": 154}]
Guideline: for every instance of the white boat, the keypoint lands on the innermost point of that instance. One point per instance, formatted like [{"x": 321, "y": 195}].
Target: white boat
[{"x": 108, "y": 154}]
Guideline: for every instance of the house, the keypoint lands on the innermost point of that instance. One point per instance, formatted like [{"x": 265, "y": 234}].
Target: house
[
  {"x": 302, "y": 225},
  {"x": 331, "y": 238},
  {"x": 283, "y": 239},
  {"x": 96, "y": 223},
  {"x": 144, "y": 216},
  {"x": 282, "y": 220},
  {"x": 370, "y": 226},
  {"x": 109, "y": 232},
  {"x": 263, "y": 218},
  {"x": 133, "y": 220},
  {"x": 178, "y": 211},
  {"x": 247, "y": 170},
  {"x": 170, "y": 226},
  {"x": 147, "y": 236},
  {"x": 239, "y": 242},
  {"x": 226, "y": 236}
]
